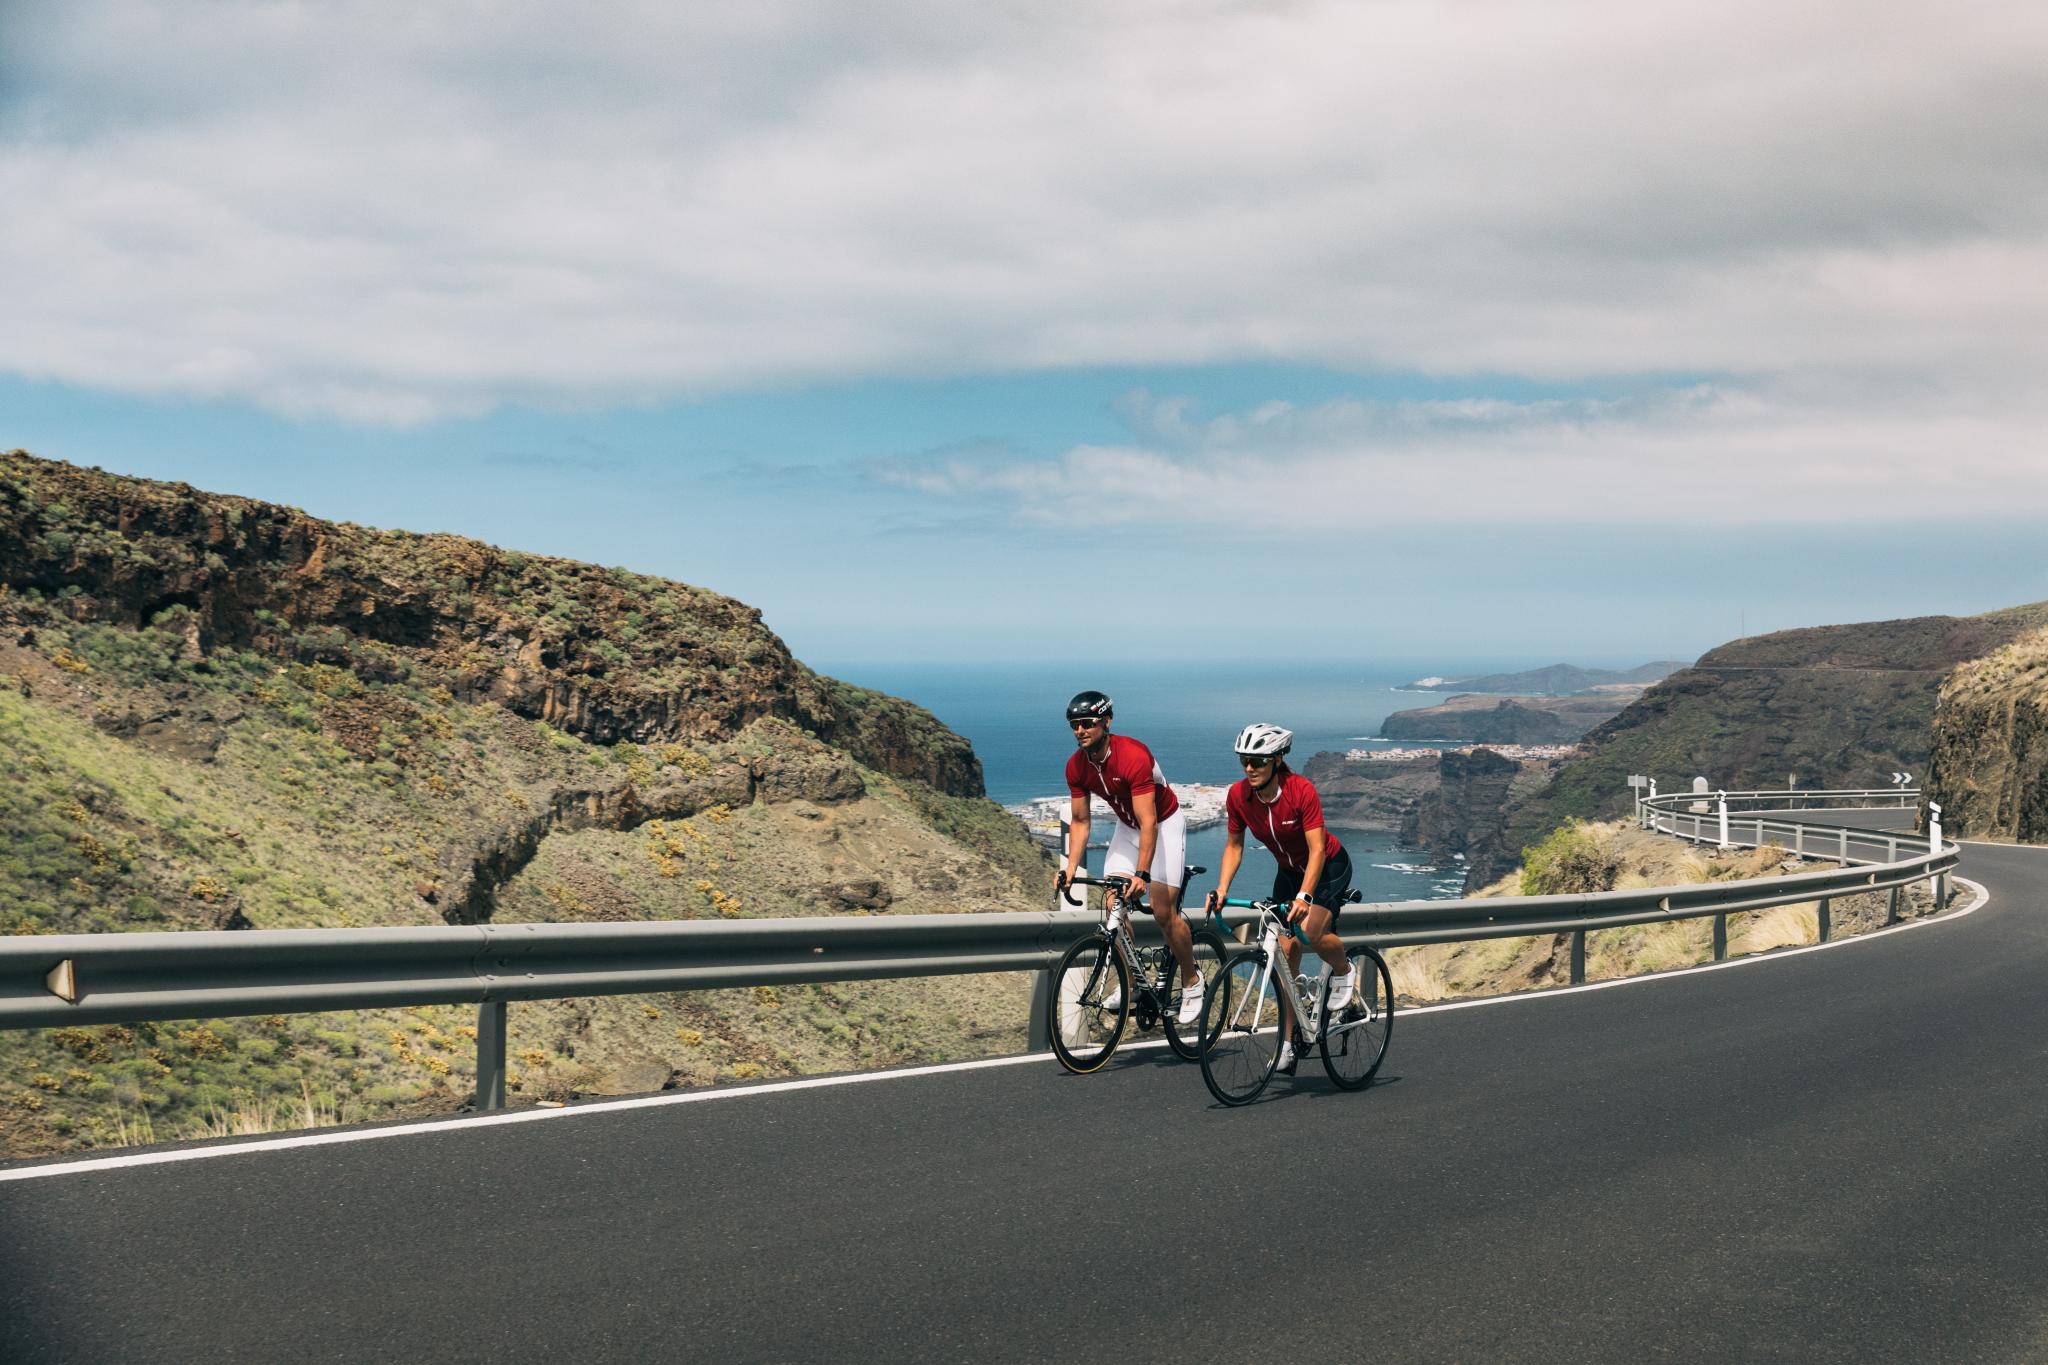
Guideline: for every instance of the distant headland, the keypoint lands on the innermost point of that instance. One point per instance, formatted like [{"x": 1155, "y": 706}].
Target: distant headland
[{"x": 1558, "y": 680}]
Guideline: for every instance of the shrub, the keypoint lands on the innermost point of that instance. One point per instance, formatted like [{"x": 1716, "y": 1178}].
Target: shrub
[{"x": 1571, "y": 860}]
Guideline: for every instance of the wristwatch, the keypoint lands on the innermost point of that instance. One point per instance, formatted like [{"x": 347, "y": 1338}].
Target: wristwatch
[{"x": 1143, "y": 876}]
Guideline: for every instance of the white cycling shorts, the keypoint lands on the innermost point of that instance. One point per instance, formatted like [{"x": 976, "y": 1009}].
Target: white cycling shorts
[{"x": 1169, "y": 851}]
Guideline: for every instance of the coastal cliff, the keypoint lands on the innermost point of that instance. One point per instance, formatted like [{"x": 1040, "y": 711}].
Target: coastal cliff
[
  {"x": 1989, "y": 768},
  {"x": 1371, "y": 793},
  {"x": 1467, "y": 812},
  {"x": 217, "y": 713}
]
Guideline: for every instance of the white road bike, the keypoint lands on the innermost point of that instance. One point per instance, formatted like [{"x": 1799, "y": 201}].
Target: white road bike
[{"x": 1241, "y": 1016}]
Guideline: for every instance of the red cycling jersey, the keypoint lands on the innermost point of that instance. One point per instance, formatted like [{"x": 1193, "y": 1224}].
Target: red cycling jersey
[
  {"x": 1283, "y": 824},
  {"x": 1127, "y": 769}
]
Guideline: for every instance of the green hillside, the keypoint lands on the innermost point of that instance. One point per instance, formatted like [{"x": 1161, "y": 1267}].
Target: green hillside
[{"x": 216, "y": 713}]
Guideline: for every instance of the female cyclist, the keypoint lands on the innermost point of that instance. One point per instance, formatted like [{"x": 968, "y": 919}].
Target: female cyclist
[{"x": 1281, "y": 807}]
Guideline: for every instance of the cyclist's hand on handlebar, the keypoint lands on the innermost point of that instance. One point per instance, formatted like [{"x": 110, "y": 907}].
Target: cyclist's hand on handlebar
[
  {"x": 1302, "y": 905},
  {"x": 1213, "y": 903}
]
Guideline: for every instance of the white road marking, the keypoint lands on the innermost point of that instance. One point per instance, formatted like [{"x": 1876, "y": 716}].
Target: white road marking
[{"x": 475, "y": 1121}]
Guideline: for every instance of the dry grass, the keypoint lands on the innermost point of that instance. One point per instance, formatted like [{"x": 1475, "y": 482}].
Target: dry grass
[
  {"x": 1497, "y": 966},
  {"x": 250, "y": 1115}
]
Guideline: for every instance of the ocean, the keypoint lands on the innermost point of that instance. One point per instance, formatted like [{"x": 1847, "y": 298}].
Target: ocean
[{"x": 1189, "y": 716}]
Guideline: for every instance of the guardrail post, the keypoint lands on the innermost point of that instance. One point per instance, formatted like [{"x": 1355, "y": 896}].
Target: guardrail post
[
  {"x": 1891, "y": 850},
  {"x": 1845, "y": 846},
  {"x": 1891, "y": 909},
  {"x": 1799, "y": 840},
  {"x": 1759, "y": 832},
  {"x": 1038, "y": 1036},
  {"x": 1821, "y": 918},
  {"x": 1724, "y": 821},
  {"x": 1941, "y": 892},
  {"x": 490, "y": 1055},
  {"x": 1720, "y": 938},
  {"x": 1578, "y": 957}
]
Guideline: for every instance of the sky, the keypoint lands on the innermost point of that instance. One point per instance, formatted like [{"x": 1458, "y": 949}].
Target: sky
[{"x": 1366, "y": 330}]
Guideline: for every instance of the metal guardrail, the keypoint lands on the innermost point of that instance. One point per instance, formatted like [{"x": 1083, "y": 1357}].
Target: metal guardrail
[{"x": 54, "y": 980}]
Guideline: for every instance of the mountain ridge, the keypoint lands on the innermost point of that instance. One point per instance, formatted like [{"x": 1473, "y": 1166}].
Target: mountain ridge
[{"x": 1843, "y": 705}]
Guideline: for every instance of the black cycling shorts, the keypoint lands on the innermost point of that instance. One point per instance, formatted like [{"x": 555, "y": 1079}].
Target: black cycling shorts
[{"x": 1331, "y": 888}]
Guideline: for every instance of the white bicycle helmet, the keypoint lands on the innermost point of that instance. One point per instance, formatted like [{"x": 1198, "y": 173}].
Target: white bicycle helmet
[{"x": 1260, "y": 740}]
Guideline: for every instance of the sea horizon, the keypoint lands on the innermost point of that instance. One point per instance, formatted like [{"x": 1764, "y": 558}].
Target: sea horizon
[{"x": 1189, "y": 716}]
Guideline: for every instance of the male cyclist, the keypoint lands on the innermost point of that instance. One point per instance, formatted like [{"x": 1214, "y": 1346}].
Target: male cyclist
[
  {"x": 1149, "y": 847},
  {"x": 1281, "y": 807}
]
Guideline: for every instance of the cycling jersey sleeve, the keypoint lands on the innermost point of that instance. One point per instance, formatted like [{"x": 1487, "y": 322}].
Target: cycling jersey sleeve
[
  {"x": 1134, "y": 766},
  {"x": 1074, "y": 787},
  {"x": 1233, "y": 808},
  {"x": 1311, "y": 806}
]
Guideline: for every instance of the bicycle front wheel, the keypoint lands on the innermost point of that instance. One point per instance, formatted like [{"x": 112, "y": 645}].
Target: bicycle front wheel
[
  {"x": 1241, "y": 1020},
  {"x": 1188, "y": 1040},
  {"x": 1085, "y": 1030},
  {"x": 1355, "y": 1043}
]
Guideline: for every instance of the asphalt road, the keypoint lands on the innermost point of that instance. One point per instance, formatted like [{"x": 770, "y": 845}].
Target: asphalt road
[{"x": 1832, "y": 1155}]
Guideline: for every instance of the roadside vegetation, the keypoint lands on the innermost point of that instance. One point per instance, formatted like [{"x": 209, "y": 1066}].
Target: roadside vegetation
[{"x": 1581, "y": 857}]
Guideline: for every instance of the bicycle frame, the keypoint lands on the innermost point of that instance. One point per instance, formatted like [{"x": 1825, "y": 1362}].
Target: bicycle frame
[
  {"x": 1308, "y": 1020},
  {"x": 1116, "y": 926}
]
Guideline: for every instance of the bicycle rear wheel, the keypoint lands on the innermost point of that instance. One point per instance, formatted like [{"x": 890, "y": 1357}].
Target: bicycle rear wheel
[
  {"x": 1084, "y": 1033},
  {"x": 1241, "y": 1020},
  {"x": 1187, "y": 1042},
  {"x": 1355, "y": 1043}
]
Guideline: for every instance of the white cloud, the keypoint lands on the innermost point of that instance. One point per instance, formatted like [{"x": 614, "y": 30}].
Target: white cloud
[
  {"x": 389, "y": 212},
  {"x": 1701, "y": 456}
]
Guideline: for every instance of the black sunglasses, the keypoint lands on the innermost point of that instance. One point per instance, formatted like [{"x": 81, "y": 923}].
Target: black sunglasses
[
  {"x": 1084, "y": 724},
  {"x": 1255, "y": 761}
]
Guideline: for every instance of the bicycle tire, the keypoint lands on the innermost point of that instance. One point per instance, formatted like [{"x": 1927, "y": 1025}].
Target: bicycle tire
[
  {"x": 1209, "y": 966},
  {"x": 1242, "y": 1023},
  {"x": 1355, "y": 1047},
  {"x": 1084, "y": 1035}
]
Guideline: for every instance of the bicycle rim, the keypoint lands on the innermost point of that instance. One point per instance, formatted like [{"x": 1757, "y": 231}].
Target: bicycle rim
[
  {"x": 1241, "y": 1020},
  {"x": 1084, "y": 1034},
  {"x": 1187, "y": 1043},
  {"x": 1356, "y": 1043}
]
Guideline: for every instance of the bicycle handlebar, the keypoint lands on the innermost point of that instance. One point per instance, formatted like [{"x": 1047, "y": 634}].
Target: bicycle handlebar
[
  {"x": 1272, "y": 908},
  {"x": 1125, "y": 887}
]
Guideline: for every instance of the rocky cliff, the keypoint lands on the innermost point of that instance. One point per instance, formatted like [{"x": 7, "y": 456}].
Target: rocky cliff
[
  {"x": 1370, "y": 793},
  {"x": 1833, "y": 706},
  {"x": 1989, "y": 768},
  {"x": 601, "y": 654},
  {"x": 1467, "y": 813}
]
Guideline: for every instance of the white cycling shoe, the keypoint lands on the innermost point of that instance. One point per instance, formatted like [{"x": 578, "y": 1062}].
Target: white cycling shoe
[
  {"x": 1190, "y": 1004},
  {"x": 1286, "y": 1062},
  {"x": 1112, "y": 1002},
  {"x": 1340, "y": 989}
]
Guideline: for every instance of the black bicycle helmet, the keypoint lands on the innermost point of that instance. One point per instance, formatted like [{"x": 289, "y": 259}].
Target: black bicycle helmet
[{"x": 1090, "y": 706}]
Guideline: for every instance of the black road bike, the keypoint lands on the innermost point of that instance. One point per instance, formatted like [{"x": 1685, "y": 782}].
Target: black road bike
[{"x": 1105, "y": 980}]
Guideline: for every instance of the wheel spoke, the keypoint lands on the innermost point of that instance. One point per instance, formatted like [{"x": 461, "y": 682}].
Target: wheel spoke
[{"x": 1357, "y": 1042}]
